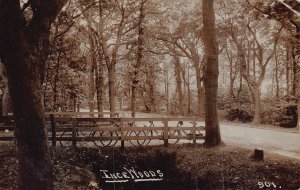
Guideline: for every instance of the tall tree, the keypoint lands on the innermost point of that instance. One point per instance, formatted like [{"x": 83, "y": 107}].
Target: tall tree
[
  {"x": 92, "y": 65},
  {"x": 253, "y": 81},
  {"x": 111, "y": 50},
  {"x": 139, "y": 58},
  {"x": 24, "y": 44},
  {"x": 177, "y": 72},
  {"x": 99, "y": 74},
  {"x": 213, "y": 136}
]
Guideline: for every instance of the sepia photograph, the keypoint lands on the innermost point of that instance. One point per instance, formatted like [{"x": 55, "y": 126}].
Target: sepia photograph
[{"x": 149, "y": 94}]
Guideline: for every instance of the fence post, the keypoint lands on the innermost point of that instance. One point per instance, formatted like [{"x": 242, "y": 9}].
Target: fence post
[
  {"x": 194, "y": 132},
  {"x": 53, "y": 130},
  {"x": 122, "y": 135},
  {"x": 73, "y": 131},
  {"x": 166, "y": 132}
]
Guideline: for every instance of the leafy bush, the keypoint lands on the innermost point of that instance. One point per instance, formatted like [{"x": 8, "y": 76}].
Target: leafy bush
[
  {"x": 275, "y": 112},
  {"x": 239, "y": 114},
  {"x": 279, "y": 113}
]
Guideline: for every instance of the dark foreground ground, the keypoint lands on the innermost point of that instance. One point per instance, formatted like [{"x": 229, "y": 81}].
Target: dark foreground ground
[{"x": 182, "y": 167}]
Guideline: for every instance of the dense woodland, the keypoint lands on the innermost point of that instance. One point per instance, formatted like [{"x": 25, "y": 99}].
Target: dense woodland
[
  {"x": 164, "y": 56},
  {"x": 148, "y": 56}
]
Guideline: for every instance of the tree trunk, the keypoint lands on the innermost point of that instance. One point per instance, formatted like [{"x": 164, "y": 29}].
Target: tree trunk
[
  {"x": 133, "y": 97},
  {"x": 150, "y": 80},
  {"x": 277, "y": 89},
  {"x": 99, "y": 86},
  {"x": 200, "y": 91},
  {"x": 257, "y": 114},
  {"x": 152, "y": 96},
  {"x": 112, "y": 89},
  {"x": 139, "y": 58},
  {"x": 240, "y": 84},
  {"x": 231, "y": 89},
  {"x": 178, "y": 84},
  {"x": 26, "y": 93},
  {"x": 212, "y": 136},
  {"x": 91, "y": 84},
  {"x": 294, "y": 62},
  {"x": 287, "y": 70},
  {"x": 232, "y": 72},
  {"x": 23, "y": 50},
  {"x": 189, "y": 91},
  {"x": 56, "y": 78},
  {"x": 166, "y": 83},
  {"x": 296, "y": 56}
]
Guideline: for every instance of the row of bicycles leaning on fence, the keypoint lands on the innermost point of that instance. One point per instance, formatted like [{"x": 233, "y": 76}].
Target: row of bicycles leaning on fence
[{"x": 108, "y": 138}]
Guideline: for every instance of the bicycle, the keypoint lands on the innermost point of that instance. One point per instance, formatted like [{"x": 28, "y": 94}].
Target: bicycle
[
  {"x": 175, "y": 132},
  {"x": 82, "y": 135},
  {"x": 101, "y": 138},
  {"x": 190, "y": 133},
  {"x": 137, "y": 142},
  {"x": 106, "y": 138},
  {"x": 161, "y": 132}
]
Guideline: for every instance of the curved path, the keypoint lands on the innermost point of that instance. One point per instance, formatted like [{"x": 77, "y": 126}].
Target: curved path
[
  {"x": 276, "y": 141},
  {"x": 282, "y": 141}
]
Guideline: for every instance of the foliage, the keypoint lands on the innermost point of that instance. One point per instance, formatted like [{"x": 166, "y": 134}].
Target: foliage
[
  {"x": 66, "y": 71},
  {"x": 280, "y": 113}
]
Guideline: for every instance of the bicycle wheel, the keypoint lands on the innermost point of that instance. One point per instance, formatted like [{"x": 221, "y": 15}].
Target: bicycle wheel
[
  {"x": 200, "y": 135},
  {"x": 158, "y": 133},
  {"x": 144, "y": 134},
  {"x": 97, "y": 135},
  {"x": 114, "y": 141},
  {"x": 80, "y": 140},
  {"x": 107, "y": 138},
  {"x": 67, "y": 142},
  {"x": 133, "y": 134},
  {"x": 175, "y": 133}
]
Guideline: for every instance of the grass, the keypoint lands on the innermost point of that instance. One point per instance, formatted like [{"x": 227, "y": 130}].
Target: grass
[{"x": 184, "y": 167}]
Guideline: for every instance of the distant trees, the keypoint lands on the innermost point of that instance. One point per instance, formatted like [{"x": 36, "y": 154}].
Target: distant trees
[
  {"x": 260, "y": 65},
  {"x": 64, "y": 71},
  {"x": 121, "y": 42},
  {"x": 285, "y": 12}
]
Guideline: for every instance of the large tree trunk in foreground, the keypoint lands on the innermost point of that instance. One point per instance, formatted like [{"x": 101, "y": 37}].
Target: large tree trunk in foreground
[
  {"x": 296, "y": 56},
  {"x": 30, "y": 133},
  {"x": 212, "y": 136},
  {"x": 23, "y": 50}
]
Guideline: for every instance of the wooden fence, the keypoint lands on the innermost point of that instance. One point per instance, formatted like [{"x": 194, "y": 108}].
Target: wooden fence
[{"x": 69, "y": 130}]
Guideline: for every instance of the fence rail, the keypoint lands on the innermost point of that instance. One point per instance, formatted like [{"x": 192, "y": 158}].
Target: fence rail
[{"x": 74, "y": 131}]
